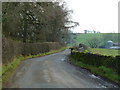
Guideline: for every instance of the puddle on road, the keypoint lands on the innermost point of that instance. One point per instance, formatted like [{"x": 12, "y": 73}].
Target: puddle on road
[
  {"x": 63, "y": 59},
  {"x": 94, "y": 76}
]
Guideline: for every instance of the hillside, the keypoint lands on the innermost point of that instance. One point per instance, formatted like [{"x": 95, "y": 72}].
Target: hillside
[
  {"x": 82, "y": 38},
  {"x": 103, "y": 37}
]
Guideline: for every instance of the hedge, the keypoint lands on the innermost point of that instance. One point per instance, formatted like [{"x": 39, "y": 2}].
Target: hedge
[
  {"x": 97, "y": 60},
  {"x": 12, "y": 49}
]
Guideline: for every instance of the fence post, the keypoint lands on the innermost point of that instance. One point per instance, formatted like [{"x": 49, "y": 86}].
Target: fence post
[{"x": 71, "y": 50}]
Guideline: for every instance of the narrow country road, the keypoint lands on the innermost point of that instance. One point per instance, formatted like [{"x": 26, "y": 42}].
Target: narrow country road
[{"x": 53, "y": 72}]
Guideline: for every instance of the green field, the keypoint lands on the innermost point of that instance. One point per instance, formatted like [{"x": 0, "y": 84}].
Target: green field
[
  {"x": 106, "y": 52},
  {"x": 103, "y": 37},
  {"x": 82, "y": 38}
]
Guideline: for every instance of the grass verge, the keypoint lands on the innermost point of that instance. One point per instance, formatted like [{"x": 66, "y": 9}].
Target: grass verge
[
  {"x": 102, "y": 71},
  {"x": 8, "y": 69},
  {"x": 105, "y": 52}
]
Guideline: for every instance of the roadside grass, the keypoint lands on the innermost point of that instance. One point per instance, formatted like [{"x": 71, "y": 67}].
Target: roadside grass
[
  {"x": 102, "y": 71},
  {"x": 106, "y": 52},
  {"x": 7, "y": 70}
]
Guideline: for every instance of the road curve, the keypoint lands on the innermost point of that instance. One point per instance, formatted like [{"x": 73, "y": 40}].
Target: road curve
[{"x": 53, "y": 72}]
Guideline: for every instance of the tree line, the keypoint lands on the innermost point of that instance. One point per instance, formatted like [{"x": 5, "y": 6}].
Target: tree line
[
  {"x": 36, "y": 21},
  {"x": 96, "y": 42}
]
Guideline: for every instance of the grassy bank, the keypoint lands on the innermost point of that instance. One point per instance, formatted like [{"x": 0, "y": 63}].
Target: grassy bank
[
  {"x": 106, "y": 52},
  {"x": 101, "y": 71},
  {"x": 105, "y": 66},
  {"x": 7, "y": 70}
]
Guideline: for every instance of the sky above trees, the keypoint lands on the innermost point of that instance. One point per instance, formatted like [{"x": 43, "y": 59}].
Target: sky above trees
[{"x": 99, "y": 15}]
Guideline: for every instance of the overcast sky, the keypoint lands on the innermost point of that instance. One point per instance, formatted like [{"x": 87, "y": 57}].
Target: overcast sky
[{"x": 99, "y": 15}]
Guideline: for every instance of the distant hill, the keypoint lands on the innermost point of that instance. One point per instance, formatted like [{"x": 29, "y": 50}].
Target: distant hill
[
  {"x": 82, "y": 38},
  {"x": 104, "y": 37}
]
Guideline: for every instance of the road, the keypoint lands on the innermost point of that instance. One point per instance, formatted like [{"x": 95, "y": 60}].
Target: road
[{"x": 52, "y": 71}]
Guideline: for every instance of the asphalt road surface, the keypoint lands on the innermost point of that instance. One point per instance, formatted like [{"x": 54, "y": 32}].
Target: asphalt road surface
[{"x": 53, "y": 71}]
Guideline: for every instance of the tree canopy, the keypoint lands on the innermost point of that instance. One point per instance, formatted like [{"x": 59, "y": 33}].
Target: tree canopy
[{"x": 36, "y": 21}]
